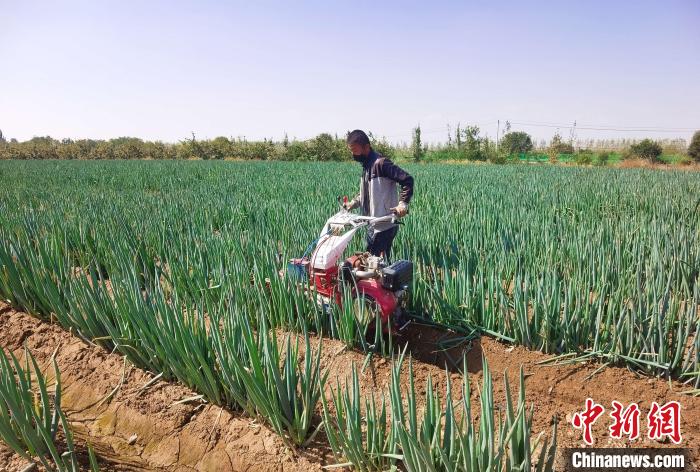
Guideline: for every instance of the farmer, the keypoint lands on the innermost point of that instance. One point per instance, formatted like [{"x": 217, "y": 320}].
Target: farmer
[{"x": 378, "y": 193}]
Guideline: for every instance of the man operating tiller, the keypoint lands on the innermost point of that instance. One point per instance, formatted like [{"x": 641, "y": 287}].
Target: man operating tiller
[{"x": 378, "y": 193}]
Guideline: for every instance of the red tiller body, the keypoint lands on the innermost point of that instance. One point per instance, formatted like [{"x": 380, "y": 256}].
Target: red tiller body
[{"x": 327, "y": 284}]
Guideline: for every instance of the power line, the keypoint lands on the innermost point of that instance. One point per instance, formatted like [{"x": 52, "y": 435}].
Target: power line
[
  {"x": 648, "y": 129},
  {"x": 674, "y": 128},
  {"x": 549, "y": 124}
]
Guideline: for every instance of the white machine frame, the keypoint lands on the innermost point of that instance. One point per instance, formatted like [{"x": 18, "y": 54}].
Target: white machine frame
[{"x": 337, "y": 234}]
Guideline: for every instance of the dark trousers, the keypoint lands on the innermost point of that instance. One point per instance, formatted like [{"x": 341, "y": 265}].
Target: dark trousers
[{"x": 380, "y": 242}]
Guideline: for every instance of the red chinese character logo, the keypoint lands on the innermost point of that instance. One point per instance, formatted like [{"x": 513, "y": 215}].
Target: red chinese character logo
[
  {"x": 665, "y": 421},
  {"x": 625, "y": 421},
  {"x": 585, "y": 419}
]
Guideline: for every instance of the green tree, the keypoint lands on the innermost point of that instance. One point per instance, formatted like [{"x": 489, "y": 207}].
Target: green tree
[
  {"x": 264, "y": 150},
  {"x": 603, "y": 158},
  {"x": 557, "y": 146},
  {"x": 647, "y": 149},
  {"x": 492, "y": 154},
  {"x": 516, "y": 142},
  {"x": 42, "y": 147},
  {"x": 382, "y": 146},
  {"x": 157, "y": 150},
  {"x": 416, "y": 145},
  {"x": 220, "y": 148},
  {"x": 472, "y": 146},
  {"x": 694, "y": 148},
  {"x": 126, "y": 148},
  {"x": 191, "y": 149},
  {"x": 296, "y": 151},
  {"x": 68, "y": 149},
  {"x": 326, "y": 148},
  {"x": 103, "y": 150},
  {"x": 584, "y": 157}
]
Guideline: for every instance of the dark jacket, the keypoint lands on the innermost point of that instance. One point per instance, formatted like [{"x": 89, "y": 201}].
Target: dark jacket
[{"x": 378, "y": 192}]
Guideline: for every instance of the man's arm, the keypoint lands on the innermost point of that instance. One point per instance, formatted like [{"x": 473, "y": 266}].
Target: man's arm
[{"x": 401, "y": 177}]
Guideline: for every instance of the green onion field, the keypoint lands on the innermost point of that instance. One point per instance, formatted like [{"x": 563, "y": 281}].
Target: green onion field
[{"x": 174, "y": 265}]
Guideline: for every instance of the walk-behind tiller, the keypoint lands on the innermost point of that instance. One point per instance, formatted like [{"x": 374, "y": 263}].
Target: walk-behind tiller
[{"x": 383, "y": 288}]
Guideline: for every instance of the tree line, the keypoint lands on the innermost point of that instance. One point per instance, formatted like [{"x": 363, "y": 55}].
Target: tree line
[
  {"x": 465, "y": 144},
  {"x": 323, "y": 147}
]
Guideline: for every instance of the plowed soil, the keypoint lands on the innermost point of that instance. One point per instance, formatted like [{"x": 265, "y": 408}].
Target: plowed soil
[{"x": 152, "y": 429}]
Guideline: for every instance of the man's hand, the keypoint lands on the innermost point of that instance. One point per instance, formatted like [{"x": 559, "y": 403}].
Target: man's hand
[
  {"x": 401, "y": 209},
  {"x": 351, "y": 205}
]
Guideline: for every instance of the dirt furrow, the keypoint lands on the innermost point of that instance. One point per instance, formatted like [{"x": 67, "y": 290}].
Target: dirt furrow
[{"x": 147, "y": 429}]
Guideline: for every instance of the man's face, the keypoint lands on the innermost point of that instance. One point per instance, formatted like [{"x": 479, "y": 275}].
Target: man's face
[{"x": 358, "y": 150}]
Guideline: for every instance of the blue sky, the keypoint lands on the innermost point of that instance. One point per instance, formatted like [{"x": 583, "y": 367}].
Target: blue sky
[{"x": 161, "y": 70}]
